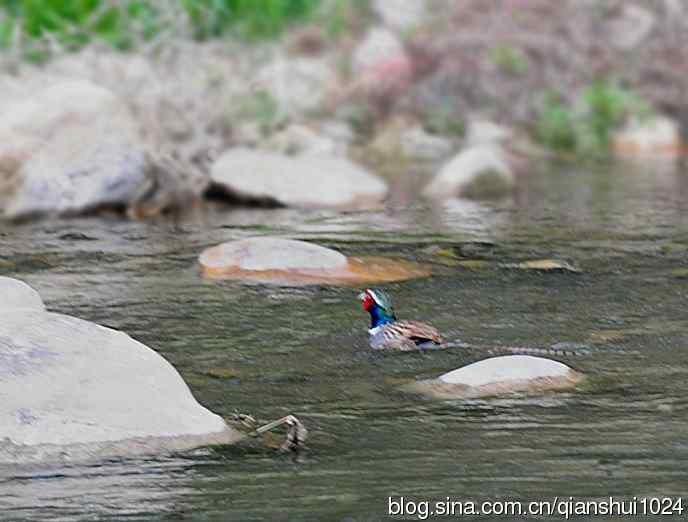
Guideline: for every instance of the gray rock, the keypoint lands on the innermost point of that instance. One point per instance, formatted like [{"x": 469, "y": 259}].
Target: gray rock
[
  {"x": 501, "y": 375},
  {"x": 304, "y": 181},
  {"x": 67, "y": 149},
  {"x": 94, "y": 391},
  {"x": 479, "y": 172}
]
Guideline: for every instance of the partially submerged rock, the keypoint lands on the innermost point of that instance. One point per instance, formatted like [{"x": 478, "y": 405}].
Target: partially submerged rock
[
  {"x": 545, "y": 265},
  {"x": 71, "y": 147},
  {"x": 499, "y": 376},
  {"x": 288, "y": 261},
  {"x": 318, "y": 180},
  {"x": 478, "y": 172},
  {"x": 71, "y": 389}
]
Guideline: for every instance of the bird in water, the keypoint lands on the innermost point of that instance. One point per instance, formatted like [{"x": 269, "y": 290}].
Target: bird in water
[{"x": 388, "y": 333}]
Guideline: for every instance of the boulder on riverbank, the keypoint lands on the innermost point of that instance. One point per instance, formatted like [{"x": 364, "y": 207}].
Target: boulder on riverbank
[
  {"x": 308, "y": 181},
  {"x": 69, "y": 148},
  {"x": 288, "y": 261},
  {"x": 72, "y": 389},
  {"x": 478, "y": 172},
  {"x": 499, "y": 376}
]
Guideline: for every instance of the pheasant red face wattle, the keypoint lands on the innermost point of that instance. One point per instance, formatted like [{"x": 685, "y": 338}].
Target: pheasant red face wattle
[{"x": 386, "y": 332}]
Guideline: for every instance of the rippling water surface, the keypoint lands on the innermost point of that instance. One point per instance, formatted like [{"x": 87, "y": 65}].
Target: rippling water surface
[{"x": 303, "y": 351}]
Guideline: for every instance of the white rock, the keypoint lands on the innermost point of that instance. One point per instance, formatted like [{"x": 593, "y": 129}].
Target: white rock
[
  {"x": 503, "y": 369},
  {"x": 68, "y": 148},
  {"x": 378, "y": 46},
  {"x": 656, "y": 136},
  {"x": 479, "y": 172},
  {"x": 71, "y": 388},
  {"x": 402, "y": 15},
  {"x": 501, "y": 375},
  {"x": 17, "y": 297},
  {"x": 270, "y": 253},
  {"x": 303, "y": 181}
]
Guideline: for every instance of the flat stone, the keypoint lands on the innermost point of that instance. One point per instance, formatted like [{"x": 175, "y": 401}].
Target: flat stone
[
  {"x": 311, "y": 181},
  {"x": 267, "y": 253},
  {"x": 293, "y": 262},
  {"x": 94, "y": 392},
  {"x": 545, "y": 265},
  {"x": 501, "y": 375}
]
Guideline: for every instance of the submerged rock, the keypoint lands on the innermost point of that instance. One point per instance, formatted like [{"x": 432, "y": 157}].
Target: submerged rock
[
  {"x": 479, "y": 172},
  {"x": 69, "y": 148},
  {"x": 500, "y": 375},
  {"x": 317, "y": 180},
  {"x": 72, "y": 389},
  {"x": 288, "y": 261},
  {"x": 545, "y": 265}
]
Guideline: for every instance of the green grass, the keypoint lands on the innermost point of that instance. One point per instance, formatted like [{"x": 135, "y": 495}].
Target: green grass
[
  {"x": 250, "y": 18},
  {"x": 123, "y": 23}
]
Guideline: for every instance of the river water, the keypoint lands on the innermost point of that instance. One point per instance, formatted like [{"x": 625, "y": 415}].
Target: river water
[{"x": 271, "y": 351}]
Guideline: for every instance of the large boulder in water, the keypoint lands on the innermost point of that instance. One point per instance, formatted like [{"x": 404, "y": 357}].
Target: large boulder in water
[
  {"x": 501, "y": 375},
  {"x": 73, "y": 389},
  {"x": 289, "y": 261},
  {"x": 68, "y": 148},
  {"x": 302, "y": 181}
]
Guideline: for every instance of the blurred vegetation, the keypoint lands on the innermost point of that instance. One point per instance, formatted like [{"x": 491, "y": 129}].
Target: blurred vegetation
[
  {"x": 73, "y": 23},
  {"x": 251, "y": 18},
  {"x": 510, "y": 59},
  {"x": 586, "y": 125}
]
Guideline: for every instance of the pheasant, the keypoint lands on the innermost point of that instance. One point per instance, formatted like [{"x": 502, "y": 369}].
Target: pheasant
[{"x": 388, "y": 333}]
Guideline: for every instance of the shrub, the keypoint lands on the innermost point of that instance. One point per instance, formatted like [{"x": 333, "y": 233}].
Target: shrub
[{"x": 586, "y": 126}]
